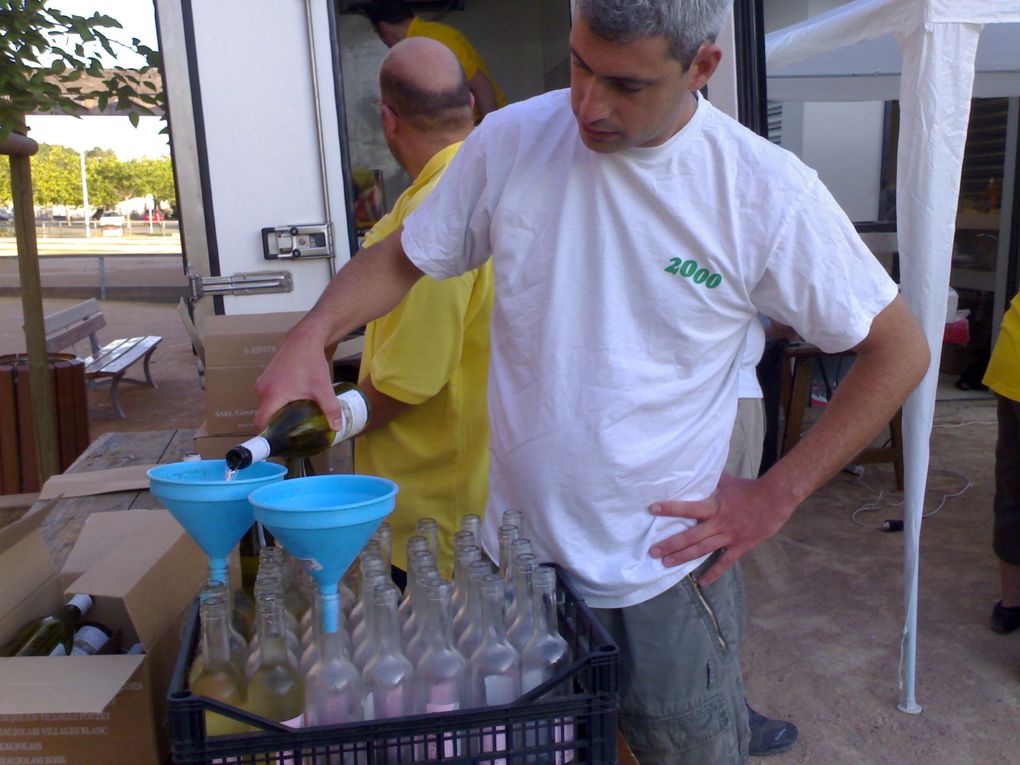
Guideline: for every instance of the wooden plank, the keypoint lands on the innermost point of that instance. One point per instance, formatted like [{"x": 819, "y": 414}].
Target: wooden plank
[
  {"x": 64, "y": 523},
  {"x": 61, "y": 338},
  {"x": 115, "y": 358},
  {"x": 73, "y": 315}
]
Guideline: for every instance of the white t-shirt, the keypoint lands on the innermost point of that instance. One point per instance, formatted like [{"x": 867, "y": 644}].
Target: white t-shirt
[{"x": 625, "y": 284}]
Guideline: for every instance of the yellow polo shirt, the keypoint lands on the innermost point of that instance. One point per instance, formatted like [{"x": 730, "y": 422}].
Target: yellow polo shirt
[
  {"x": 465, "y": 52},
  {"x": 1003, "y": 373},
  {"x": 431, "y": 351}
]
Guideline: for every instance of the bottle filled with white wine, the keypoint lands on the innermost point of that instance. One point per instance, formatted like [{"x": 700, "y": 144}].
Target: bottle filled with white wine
[
  {"x": 52, "y": 635},
  {"x": 300, "y": 429}
]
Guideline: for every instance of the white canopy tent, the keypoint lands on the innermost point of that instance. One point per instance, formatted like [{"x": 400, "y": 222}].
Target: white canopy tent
[{"x": 932, "y": 74}]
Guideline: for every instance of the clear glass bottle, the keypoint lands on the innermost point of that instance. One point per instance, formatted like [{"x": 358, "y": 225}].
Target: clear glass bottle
[
  {"x": 463, "y": 556},
  {"x": 429, "y": 528},
  {"x": 275, "y": 690},
  {"x": 368, "y": 564},
  {"x": 268, "y": 583},
  {"x": 219, "y": 678},
  {"x": 384, "y": 536},
  {"x": 473, "y": 523},
  {"x": 417, "y": 640},
  {"x": 513, "y": 518},
  {"x": 506, "y": 534},
  {"x": 415, "y": 544},
  {"x": 388, "y": 677},
  {"x": 441, "y": 677},
  {"x": 518, "y": 547},
  {"x": 300, "y": 429},
  {"x": 419, "y": 562},
  {"x": 364, "y": 638},
  {"x": 495, "y": 663},
  {"x": 523, "y": 624},
  {"x": 544, "y": 656},
  {"x": 333, "y": 692},
  {"x": 471, "y": 625}
]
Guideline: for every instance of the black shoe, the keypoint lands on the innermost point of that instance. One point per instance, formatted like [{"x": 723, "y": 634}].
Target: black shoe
[
  {"x": 769, "y": 736},
  {"x": 1004, "y": 619}
]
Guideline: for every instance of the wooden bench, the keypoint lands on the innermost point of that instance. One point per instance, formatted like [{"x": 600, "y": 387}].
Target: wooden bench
[{"x": 108, "y": 363}]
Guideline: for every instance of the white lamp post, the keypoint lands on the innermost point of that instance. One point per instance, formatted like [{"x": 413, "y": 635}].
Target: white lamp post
[{"x": 84, "y": 192}]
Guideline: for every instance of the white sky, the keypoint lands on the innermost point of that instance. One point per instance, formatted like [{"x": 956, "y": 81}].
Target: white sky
[{"x": 138, "y": 19}]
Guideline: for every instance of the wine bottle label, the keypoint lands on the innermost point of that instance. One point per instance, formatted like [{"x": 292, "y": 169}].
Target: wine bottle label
[
  {"x": 135, "y": 649},
  {"x": 82, "y": 602},
  {"x": 58, "y": 650},
  {"x": 353, "y": 404},
  {"x": 88, "y": 640},
  {"x": 259, "y": 448}
]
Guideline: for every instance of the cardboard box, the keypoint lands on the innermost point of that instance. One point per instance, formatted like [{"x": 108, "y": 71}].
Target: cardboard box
[
  {"x": 143, "y": 572},
  {"x": 230, "y": 400},
  {"x": 245, "y": 340}
]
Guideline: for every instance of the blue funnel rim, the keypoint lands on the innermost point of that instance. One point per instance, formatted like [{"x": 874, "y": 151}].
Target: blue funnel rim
[
  {"x": 157, "y": 471},
  {"x": 295, "y": 485}
]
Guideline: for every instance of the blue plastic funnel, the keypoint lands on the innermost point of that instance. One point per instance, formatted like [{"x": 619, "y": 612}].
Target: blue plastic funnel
[
  {"x": 324, "y": 521},
  {"x": 213, "y": 510}
]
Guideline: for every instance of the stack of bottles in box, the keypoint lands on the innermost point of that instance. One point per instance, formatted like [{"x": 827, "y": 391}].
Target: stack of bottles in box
[{"x": 482, "y": 639}]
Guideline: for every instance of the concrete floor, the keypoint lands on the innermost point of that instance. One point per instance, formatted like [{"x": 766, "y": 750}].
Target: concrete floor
[{"x": 825, "y": 595}]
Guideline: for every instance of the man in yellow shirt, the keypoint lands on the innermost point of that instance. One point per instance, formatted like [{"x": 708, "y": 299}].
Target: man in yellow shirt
[
  {"x": 425, "y": 364},
  {"x": 1003, "y": 377},
  {"x": 393, "y": 21}
]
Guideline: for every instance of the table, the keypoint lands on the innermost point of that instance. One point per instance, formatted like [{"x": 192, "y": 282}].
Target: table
[{"x": 65, "y": 520}]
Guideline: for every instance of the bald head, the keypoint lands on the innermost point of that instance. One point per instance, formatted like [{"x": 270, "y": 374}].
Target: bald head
[{"x": 422, "y": 81}]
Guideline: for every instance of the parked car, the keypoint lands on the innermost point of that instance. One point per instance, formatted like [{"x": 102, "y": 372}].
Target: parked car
[
  {"x": 111, "y": 220},
  {"x": 154, "y": 215}
]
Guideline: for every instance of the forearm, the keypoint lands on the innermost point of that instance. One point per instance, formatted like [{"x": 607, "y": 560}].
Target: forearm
[{"x": 889, "y": 365}]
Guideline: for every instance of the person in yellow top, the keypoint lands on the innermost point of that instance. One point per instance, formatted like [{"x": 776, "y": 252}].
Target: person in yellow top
[
  {"x": 1003, "y": 377},
  {"x": 393, "y": 21},
  {"x": 425, "y": 364}
]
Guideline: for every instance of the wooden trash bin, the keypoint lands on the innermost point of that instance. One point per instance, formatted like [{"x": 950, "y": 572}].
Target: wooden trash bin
[{"x": 19, "y": 464}]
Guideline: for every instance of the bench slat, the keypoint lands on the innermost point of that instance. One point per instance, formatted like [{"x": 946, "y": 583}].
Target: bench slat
[{"x": 117, "y": 356}]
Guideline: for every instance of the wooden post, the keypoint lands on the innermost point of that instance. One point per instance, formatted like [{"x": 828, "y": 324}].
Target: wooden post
[{"x": 44, "y": 419}]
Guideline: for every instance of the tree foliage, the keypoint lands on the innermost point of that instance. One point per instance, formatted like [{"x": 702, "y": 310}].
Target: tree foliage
[
  {"x": 56, "y": 177},
  {"x": 41, "y": 46}
]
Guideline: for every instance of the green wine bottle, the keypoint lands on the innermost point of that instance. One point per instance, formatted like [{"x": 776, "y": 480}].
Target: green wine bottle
[
  {"x": 52, "y": 635},
  {"x": 300, "y": 429}
]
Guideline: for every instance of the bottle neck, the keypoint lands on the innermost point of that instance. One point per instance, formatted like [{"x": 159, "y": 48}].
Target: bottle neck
[
  {"x": 493, "y": 616},
  {"x": 271, "y": 628},
  {"x": 215, "y": 634},
  {"x": 546, "y": 617}
]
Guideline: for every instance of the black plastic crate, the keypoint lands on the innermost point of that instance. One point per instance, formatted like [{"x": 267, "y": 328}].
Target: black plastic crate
[{"x": 569, "y": 719}]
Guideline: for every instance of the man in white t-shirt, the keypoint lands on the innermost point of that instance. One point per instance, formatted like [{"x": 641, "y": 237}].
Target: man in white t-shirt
[{"x": 635, "y": 232}]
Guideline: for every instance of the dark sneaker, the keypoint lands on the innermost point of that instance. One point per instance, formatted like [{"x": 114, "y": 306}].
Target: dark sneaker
[
  {"x": 1005, "y": 620},
  {"x": 769, "y": 736}
]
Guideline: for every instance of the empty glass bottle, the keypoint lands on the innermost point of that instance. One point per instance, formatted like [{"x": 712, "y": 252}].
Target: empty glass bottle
[
  {"x": 542, "y": 658},
  {"x": 495, "y": 663},
  {"x": 523, "y": 624},
  {"x": 441, "y": 677},
  {"x": 517, "y": 547},
  {"x": 429, "y": 528},
  {"x": 513, "y": 518},
  {"x": 333, "y": 692},
  {"x": 416, "y": 639},
  {"x": 388, "y": 677},
  {"x": 473, "y": 523},
  {"x": 364, "y": 638},
  {"x": 367, "y": 563},
  {"x": 462, "y": 557},
  {"x": 467, "y": 630}
]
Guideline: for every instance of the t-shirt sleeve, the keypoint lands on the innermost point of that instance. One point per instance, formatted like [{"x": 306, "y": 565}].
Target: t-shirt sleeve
[
  {"x": 820, "y": 277},
  {"x": 448, "y": 234},
  {"x": 418, "y": 345}
]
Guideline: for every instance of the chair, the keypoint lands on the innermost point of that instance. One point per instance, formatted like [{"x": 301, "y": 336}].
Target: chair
[{"x": 795, "y": 396}]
